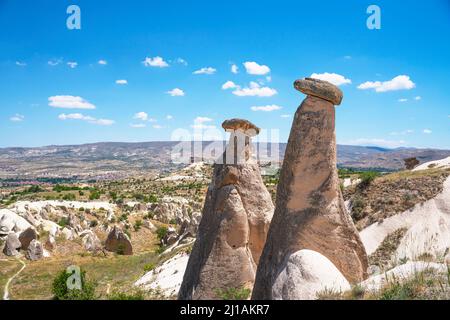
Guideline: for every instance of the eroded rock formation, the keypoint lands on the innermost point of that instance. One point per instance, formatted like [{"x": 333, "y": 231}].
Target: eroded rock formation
[
  {"x": 310, "y": 212},
  {"x": 236, "y": 217},
  {"x": 118, "y": 242}
]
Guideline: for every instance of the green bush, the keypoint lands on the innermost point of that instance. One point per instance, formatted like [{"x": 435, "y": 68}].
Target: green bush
[
  {"x": 62, "y": 292},
  {"x": 137, "y": 225},
  {"x": 149, "y": 267},
  {"x": 63, "y": 222},
  {"x": 69, "y": 197},
  {"x": 161, "y": 232},
  {"x": 367, "y": 177},
  {"x": 95, "y": 195},
  {"x": 152, "y": 198},
  {"x": 34, "y": 189}
]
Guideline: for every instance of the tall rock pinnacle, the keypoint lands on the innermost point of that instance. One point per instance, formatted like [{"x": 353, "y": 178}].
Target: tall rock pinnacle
[
  {"x": 310, "y": 215},
  {"x": 236, "y": 217}
]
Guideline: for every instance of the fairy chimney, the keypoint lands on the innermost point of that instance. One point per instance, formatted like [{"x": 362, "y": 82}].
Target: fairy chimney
[
  {"x": 235, "y": 220},
  {"x": 310, "y": 213}
]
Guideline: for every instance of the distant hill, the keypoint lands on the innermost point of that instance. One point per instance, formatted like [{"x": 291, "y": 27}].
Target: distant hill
[{"x": 111, "y": 160}]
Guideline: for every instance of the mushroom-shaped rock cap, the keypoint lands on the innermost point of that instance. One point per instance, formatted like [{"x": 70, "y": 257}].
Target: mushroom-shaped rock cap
[
  {"x": 240, "y": 124},
  {"x": 320, "y": 88}
]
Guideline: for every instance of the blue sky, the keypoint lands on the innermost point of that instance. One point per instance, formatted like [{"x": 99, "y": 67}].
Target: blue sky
[{"x": 156, "y": 46}]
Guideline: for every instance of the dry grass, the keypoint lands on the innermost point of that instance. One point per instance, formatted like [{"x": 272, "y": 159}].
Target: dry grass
[
  {"x": 426, "y": 285},
  {"x": 393, "y": 193}
]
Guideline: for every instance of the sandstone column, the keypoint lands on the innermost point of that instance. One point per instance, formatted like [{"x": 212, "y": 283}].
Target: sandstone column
[
  {"x": 310, "y": 212},
  {"x": 235, "y": 220}
]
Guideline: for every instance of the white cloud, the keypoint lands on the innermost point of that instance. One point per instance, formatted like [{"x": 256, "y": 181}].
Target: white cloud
[
  {"x": 427, "y": 131},
  {"x": 141, "y": 116},
  {"x": 69, "y": 102},
  {"x": 169, "y": 117},
  {"x": 267, "y": 108},
  {"x": 72, "y": 64},
  {"x": 79, "y": 116},
  {"x": 104, "y": 122},
  {"x": 155, "y": 62},
  {"x": 54, "y": 62},
  {"x": 157, "y": 126},
  {"x": 254, "y": 90},
  {"x": 137, "y": 125},
  {"x": 206, "y": 70},
  {"x": 402, "y": 133},
  {"x": 176, "y": 92},
  {"x": 285, "y": 116},
  {"x": 21, "y": 64},
  {"x": 333, "y": 78},
  {"x": 102, "y": 62},
  {"x": 75, "y": 116},
  {"x": 17, "y": 118},
  {"x": 255, "y": 68},
  {"x": 401, "y": 82},
  {"x": 418, "y": 98},
  {"x": 378, "y": 142},
  {"x": 202, "y": 126},
  {"x": 402, "y": 100},
  {"x": 234, "y": 69},
  {"x": 199, "y": 123},
  {"x": 202, "y": 119},
  {"x": 181, "y": 61},
  {"x": 229, "y": 85},
  {"x": 121, "y": 81}
]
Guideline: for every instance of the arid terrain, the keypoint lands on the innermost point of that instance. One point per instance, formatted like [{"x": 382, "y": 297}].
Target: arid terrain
[
  {"x": 159, "y": 212},
  {"x": 109, "y": 161}
]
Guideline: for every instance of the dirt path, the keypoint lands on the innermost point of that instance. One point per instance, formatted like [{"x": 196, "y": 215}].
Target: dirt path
[{"x": 6, "y": 289}]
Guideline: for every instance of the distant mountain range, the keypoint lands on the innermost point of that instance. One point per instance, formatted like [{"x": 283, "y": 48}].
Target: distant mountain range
[{"x": 112, "y": 160}]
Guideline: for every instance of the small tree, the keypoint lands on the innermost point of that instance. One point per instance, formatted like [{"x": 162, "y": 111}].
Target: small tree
[
  {"x": 61, "y": 290},
  {"x": 411, "y": 163}
]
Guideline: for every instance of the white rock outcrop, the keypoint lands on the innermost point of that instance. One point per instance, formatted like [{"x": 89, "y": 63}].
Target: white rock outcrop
[
  {"x": 12, "y": 222},
  {"x": 305, "y": 274},
  {"x": 427, "y": 224},
  {"x": 442, "y": 163},
  {"x": 167, "y": 277}
]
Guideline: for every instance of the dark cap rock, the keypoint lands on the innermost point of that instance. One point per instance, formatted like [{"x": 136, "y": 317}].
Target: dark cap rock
[
  {"x": 241, "y": 124},
  {"x": 319, "y": 88}
]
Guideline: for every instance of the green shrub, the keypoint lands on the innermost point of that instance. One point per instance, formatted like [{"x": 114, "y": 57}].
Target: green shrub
[
  {"x": 95, "y": 195},
  {"x": 63, "y": 222},
  {"x": 161, "y": 232},
  {"x": 152, "y": 198},
  {"x": 62, "y": 292},
  {"x": 137, "y": 225},
  {"x": 69, "y": 197},
  {"x": 233, "y": 293},
  {"x": 149, "y": 267},
  {"x": 358, "y": 204},
  {"x": 367, "y": 177}
]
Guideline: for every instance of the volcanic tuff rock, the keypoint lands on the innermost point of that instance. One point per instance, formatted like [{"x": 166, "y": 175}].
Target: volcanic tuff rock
[
  {"x": 236, "y": 216},
  {"x": 310, "y": 212},
  {"x": 118, "y": 242},
  {"x": 26, "y": 237},
  {"x": 12, "y": 244},
  {"x": 35, "y": 250}
]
